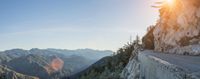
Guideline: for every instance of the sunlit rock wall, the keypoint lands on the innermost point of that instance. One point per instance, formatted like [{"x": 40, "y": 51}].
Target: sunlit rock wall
[
  {"x": 178, "y": 28},
  {"x": 177, "y": 32}
]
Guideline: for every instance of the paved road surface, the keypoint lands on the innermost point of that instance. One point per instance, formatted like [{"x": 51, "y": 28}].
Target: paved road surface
[{"x": 191, "y": 63}]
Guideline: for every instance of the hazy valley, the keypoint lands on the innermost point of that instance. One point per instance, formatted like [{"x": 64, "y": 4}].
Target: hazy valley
[{"x": 48, "y": 63}]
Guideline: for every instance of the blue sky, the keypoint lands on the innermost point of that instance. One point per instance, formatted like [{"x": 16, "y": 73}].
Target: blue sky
[{"x": 73, "y": 24}]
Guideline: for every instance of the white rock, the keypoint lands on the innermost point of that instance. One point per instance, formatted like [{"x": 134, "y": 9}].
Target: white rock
[
  {"x": 180, "y": 23},
  {"x": 198, "y": 13}
]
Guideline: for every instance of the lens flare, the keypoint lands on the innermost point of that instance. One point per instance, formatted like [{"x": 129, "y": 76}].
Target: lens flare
[
  {"x": 57, "y": 64},
  {"x": 170, "y": 2}
]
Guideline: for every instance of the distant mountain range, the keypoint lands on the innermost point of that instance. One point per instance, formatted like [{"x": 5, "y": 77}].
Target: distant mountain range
[{"x": 46, "y": 63}]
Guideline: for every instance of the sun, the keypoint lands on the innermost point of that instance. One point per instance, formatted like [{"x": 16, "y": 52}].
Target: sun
[{"x": 170, "y": 2}]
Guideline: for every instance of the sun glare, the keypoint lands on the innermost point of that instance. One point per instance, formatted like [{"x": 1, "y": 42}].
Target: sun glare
[{"x": 170, "y": 2}]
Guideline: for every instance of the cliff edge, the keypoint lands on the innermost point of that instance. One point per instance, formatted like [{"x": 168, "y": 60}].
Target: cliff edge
[
  {"x": 171, "y": 48},
  {"x": 178, "y": 29}
]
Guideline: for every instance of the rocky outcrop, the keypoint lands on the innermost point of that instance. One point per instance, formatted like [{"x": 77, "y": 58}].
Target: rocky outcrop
[
  {"x": 176, "y": 33},
  {"x": 178, "y": 27},
  {"x": 154, "y": 65},
  {"x": 6, "y": 73},
  {"x": 131, "y": 71}
]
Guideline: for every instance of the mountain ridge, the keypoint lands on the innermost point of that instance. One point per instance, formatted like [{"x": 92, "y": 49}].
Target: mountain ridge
[{"x": 49, "y": 63}]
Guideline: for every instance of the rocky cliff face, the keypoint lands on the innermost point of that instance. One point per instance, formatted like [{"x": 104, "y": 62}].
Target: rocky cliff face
[
  {"x": 176, "y": 32},
  {"x": 131, "y": 71},
  {"x": 178, "y": 29}
]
